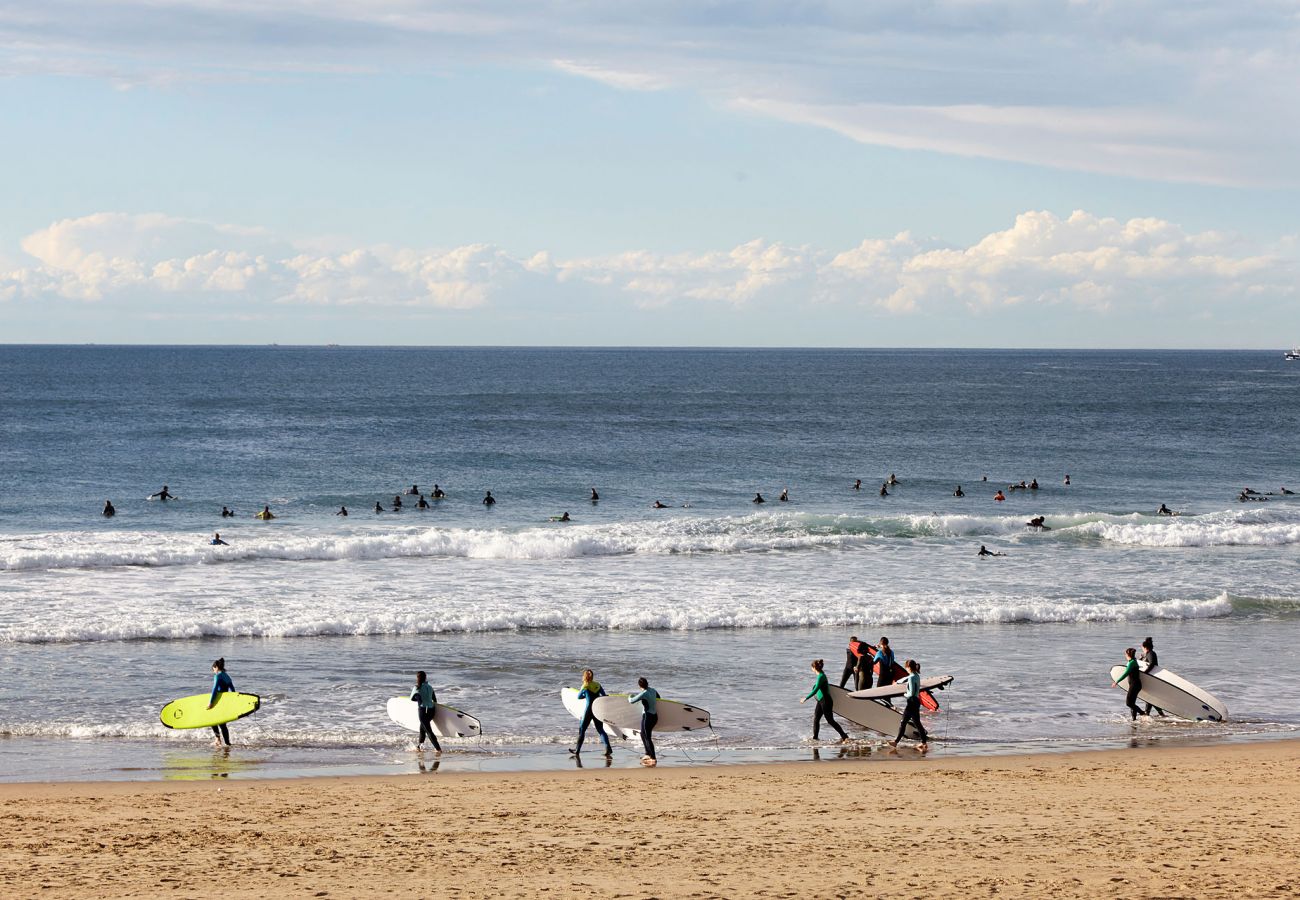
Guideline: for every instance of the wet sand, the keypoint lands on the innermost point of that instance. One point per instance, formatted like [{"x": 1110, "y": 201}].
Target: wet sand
[{"x": 1221, "y": 821}]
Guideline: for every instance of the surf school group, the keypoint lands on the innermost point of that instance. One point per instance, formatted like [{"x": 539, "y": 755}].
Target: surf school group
[{"x": 644, "y": 711}]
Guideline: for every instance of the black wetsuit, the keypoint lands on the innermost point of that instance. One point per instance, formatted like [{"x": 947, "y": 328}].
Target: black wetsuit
[
  {"x": 825, "y": 707},
  {"x": 1152, "y": 660},
  {"x": 857, "y": 668},
  {"x": 912, "y": 713},
  {"x": 1134, "y": 688}
]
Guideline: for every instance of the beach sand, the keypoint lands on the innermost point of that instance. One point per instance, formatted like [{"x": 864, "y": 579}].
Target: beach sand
[{"x": 1221, "y": 821}]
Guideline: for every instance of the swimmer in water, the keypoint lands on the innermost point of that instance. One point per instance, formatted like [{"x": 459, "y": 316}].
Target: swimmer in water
[
  {"x": 343, "y": 511},
  {"x": 217, "y": 541},
  {"x": 1285, "y": 491},
  {"x": 565, "y": 517},
  {"x": 959, "y": 492},
  {"x": 109, "y": 511},
  {"x": 438, "y": 493},
  {"x": 999, "y": 496},
  {"x": 893, "y": 479},
  {"x": 1067, "y": 479},
  {"x": 985, "y": 551},
  {"x": 378, "y": 508},
  {"x": 658, "y": 505},
  {"x": 163, "y": 495},
  {"x": 489, "y": 500},
  {"x": 423, "y": 504},
  {"x": 785, "y": 495},
  {"x": 397, "y": 503},
  {"x": 1033, "y": 485},
  {"x": 758, "y": 498},
  {"x": 413, "y": 491},
  {"x": 857, "y": 485},
  {"x": 985, "y": 478},
  {"x": 595, "y": 498},
  {"x": 227, "y": 513},
  {"x": 1164, "y": 511},
  {"x": 884, "y": 492},
  {"x": 265, "y": 513}
]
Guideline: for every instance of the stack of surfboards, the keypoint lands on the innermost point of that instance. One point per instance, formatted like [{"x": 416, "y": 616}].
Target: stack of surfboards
[
  {"x": 1175, "y": 695},
  {"x": 869, "y": 709}
]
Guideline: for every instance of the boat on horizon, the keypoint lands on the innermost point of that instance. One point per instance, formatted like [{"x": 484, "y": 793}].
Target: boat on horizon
[{"x": 1292, "y": 354}]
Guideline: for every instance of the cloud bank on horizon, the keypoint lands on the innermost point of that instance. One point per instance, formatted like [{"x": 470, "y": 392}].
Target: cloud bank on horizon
[
  {"x": 1179, "y": 90},
  {"x": 1082, "y": 261}
]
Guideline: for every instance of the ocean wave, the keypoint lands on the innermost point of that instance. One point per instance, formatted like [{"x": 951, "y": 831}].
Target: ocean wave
[{"x": 677, "y": 535}]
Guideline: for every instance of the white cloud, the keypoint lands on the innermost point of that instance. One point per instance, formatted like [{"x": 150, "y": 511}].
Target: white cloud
[
  {"x": 1081, "y": 261},
  {"x": 1188, "y": 90}
]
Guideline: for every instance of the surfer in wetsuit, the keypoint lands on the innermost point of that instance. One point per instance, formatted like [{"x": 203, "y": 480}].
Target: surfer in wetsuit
[
  {"x": 658, "y": 505},
  {"x": 1148, "y": 656},
  {"x": 857, "y": 485},
  {"x": 912, "y": 706},
  {"x": 397, "y": 503},
  {"x": 648, "y": 697},
  {"x": 1134, "y": 677},
  {"x": 438, "y": 493},
  {"x": 1037, "y": 522},
  {"x": 163, "y": 495},
  {"x": 217, "y": 541},
  {"x": 758, "y": 498},
  {"x": 343, "y": 511},
  {"x": 414, "y": 490},
  {"x": 883, "y": 662},
  {"x": 785, "y": 495},
  {"x": 227, "y": 513},
  {"x": 265, "y": 513},
  {"x": 109, "y": 511},
  {"x": 855, "y": 659},
  {"x": 423, "y": 694},
  {"x": 985, "y": 551},
  {"x": 1164, "y": 511},
  {"x": 378, "y": 508},
  {"x": 821, "y": 689},
  {"x": 594, "y": 496},
  {"x": 959, "y": 492},
  {"x": 489, "y": 500},
  {"x": 423, "y": 504},
  {"x": 884, "y": 490},
  {"x": 893, "y": 479},
  {"x": 591, "y": 689},
  {"x": 221, "y": 684}
]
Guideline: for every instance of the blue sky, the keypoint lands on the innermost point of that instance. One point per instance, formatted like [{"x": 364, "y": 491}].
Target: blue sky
[{"x": 875, "y": 174}]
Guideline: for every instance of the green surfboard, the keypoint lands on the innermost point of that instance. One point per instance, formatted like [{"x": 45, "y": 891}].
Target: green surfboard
[{"x": 193, "y": 712}]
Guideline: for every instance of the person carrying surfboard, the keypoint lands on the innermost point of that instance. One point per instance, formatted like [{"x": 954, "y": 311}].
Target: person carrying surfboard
[
  {"x": 423, "y": 694},
  {"x": 221, "y": 683},
  {"x": 1151, "y": 660},
  {"x": 856, "y": 665},
  {"x": 1134, "y": 677},
  {"x": 648, "y": 697},
  {"x": 912, "y": 705},
  {"x": 821, "y": 689},
  {"x": 591, "y": 689},
  {"x": 883, "y": 662}
]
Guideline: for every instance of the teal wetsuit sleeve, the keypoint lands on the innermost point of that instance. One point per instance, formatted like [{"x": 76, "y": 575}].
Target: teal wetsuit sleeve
[
  {"x": 636, "y": 698},
  {"x": 216, "y": 689}
]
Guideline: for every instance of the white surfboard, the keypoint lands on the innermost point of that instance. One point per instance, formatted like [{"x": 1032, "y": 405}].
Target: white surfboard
[
  {"x": 1176, "y": 696},
  {"x": 870, "y": 714},
  {"x": 615, "y": 710},
  {"x": 578, "y": 707},
  {"x": 933, "y": 683},
  {"x": 448, "y": 722}
]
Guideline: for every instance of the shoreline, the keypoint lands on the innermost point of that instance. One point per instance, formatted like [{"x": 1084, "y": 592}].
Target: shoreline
[{"x": 1205, "y": 821}]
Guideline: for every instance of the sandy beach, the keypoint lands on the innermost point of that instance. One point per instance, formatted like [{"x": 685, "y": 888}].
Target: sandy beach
[{"x": 1219, "y": 821}]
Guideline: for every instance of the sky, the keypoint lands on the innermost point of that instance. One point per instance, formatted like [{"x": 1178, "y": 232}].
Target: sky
[{"x": 975, "y": 173}]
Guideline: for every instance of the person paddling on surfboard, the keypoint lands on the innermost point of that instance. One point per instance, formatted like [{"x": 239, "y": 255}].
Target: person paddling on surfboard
[
  {"x": 1148, "y": 657},
  {"x": 1134, "y": 682},
  {"x": 221, "y": 683},
  {"x": 821, "y": 689},
  {"x": 591, "y": 689},
  {"x": 163, "y": 495},
  {"x": 912, "y": 706},
  {"x": 423, "y": 694},
  {"x": 217, "y": 541},
  {"x": 648, "y": 698}
]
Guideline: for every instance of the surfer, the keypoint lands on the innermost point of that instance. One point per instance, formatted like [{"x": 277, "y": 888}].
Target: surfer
[
  {"x": 884, "y": 490},
  {"x": 1164, "y": 511},
  {"x": 217, "y": 541},
  {"x": 1131, "y": 672},
  {"x": 564, "y": 517},
  {"x": 397, "y": 503},
  {"x": 413, "y": 491},
  {"x": 1033, "y": 484},
  {"x": 378, "y": 508},
  {"x": 423, "y": 694},
  {"x": 265, "y": 513},
  {"x": 343, "y": 511},
  {"x": 854, "y": 657},
  {"x": 438, "y": 493},
  {"x": 999, "y": 496},
  {"x": 659, "y": 505},
  {"x": 595, "y": 498},
  {"x": 758, "y": 498},
  {"x": 109, "y": 511},
  {"x": 1285, "y": 491},
  {"x": 163, "y": 495},
  {"x": 591, "y": 689},
  {"x": 489, "y": 500},
  {"x": 1148, "y": 657},
  {"x": 648, "y": 698},
  {"x": 893, "y": 480},
  {"x": 912, "y": 706},
  {"x": 221, "y": 684},
  {"x": 785, "y": 495},
  {"x": 423, "y": 504},
  {"x": 227, "y": 513},
  {"x": 821, "y": 689},
  {"x": 883, "y": 662},
  {"x": 959, "y": 492},
  {"x": 857, "y": 485},
  {"x": 985, "y": 551},
  {"x": 1037, "y": 522}
]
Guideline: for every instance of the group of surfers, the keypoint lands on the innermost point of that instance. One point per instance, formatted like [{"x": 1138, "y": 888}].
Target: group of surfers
[{"x": 861, "y": 660}]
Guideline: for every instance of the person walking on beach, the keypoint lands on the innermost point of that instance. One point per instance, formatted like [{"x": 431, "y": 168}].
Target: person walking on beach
[
  {"x": 1147, "y": 656},
  {"x": 591, "y": 689},
  {"x": 221, "y": 684},
  {"x": 423, "y": 694},
  {"x": 648, "y": 697},
  {"x": 1134, "y": 682},
  {"x": 821, "y": 689},
  {"x": 109, "y": 511},
  {"x": 912, "y": 706},
  {"x": 856, "y": 664}
]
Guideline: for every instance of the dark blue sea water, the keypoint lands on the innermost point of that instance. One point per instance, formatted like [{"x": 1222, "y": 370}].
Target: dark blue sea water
[{"x": 329, "y": 613}]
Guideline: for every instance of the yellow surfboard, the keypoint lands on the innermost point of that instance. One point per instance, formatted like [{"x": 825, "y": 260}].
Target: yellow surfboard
[{"x": 193, "y": 712}]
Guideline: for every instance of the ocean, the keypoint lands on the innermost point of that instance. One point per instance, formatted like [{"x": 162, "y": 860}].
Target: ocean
[{"x": 717, "y": 600}]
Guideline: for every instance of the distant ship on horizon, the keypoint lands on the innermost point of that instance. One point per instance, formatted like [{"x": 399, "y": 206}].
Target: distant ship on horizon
[{"x": 1292, "y": 354}]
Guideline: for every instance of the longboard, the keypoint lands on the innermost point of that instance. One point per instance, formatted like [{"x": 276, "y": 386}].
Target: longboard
[
  {"x": 193, "y": 712},
  {"x": 447, "y": 720},
  {"x": 1175, "y": 695},
  {"x": 870, "y": 714},
  {"x": 933, "y": 683},
  {"x": 927, "y": 699},
  {"x": 673, "y": 714},
  {"x": 578, "y": 707}
]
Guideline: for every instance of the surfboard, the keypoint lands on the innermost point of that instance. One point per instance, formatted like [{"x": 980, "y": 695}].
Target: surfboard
[
  {"x": 870, "y": 714},
  {"x": 1175, "y": 695},
  {"x": 933, "y": 683},
  {"x": 927, "y": 699},
  {"x": 448, "y": 722},
  {"x": 673, "y": 715},
  {"x": 264, "y": 516},
  {"x": 578, "y": 707},
  {"x": 193, "y": 712}
]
